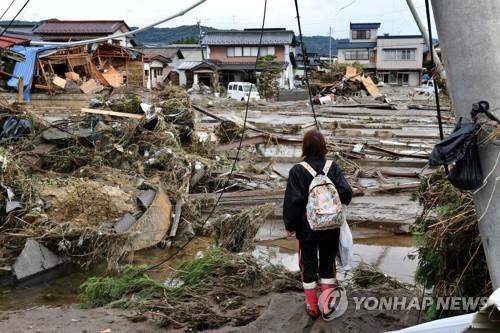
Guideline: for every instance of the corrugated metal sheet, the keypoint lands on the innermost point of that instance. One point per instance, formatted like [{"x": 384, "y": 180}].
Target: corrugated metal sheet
[
  {"x": 79, "y": 27},
  {"x": 9, "y": 40},
  {"x": 26, "y": 68},
  {"x": 275, "y": 37},
  {"x": 186, "y": 65}
]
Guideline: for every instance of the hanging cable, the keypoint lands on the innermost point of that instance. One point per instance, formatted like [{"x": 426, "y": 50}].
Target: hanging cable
[
  {"x": 12, "y": 2},
  {"x": 14, "y": 18},
  {"x": 436, "y": 90},
  {"x": 304, "y": 59},
  {"x": 233, "y": 167}
]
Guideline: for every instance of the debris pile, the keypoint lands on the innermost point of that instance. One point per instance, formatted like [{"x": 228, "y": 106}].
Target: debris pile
[
  {"x": 98, "y": 186},
  {"x": 447, "y": 230},
  {"x": 351, "y": 84},
  {"x": 236, "y": 233},
  {"x": 206, "y": 293}
]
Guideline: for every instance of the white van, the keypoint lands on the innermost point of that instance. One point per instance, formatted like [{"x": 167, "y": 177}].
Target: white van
[{"x": 239, "y": 91}]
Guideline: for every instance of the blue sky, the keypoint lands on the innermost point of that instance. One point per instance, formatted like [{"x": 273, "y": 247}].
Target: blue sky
[{"x": 317, "y": 15}]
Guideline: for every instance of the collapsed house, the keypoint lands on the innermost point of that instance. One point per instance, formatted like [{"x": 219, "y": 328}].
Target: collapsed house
[
  {"x": 86, "y": 69},
  {"x": 8, "y": 57}
]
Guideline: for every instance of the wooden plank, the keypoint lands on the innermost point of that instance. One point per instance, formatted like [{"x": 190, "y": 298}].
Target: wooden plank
[
  {"x": 371, "y": 87},
  {"x": 60, "y": 82},
  {"x": 114, "y": 78},
  {"x": 20, "y": 90},
  {"x": 88, "y": 87},
  {"x": 112, "y": 113},
  {"x": 98, "y": 75},
  {"x": 72, "y": 76}
]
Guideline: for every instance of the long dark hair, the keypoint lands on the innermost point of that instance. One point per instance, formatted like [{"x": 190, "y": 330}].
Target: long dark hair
[{"x": 314, "y": 144}]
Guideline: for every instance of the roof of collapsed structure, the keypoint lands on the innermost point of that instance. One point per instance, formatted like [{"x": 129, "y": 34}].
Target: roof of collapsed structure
[
  {"x": 10, "y": 40},
  {"x": 249, "y": 37},
  {"x": 80, "y": 27}
]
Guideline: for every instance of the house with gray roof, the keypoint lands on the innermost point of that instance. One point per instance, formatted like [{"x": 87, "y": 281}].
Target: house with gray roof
[
  {"x": 182, "y": 58},
  {"x": 235, "y": 53},
  {"x": 55, "y": 30},
  {"x": 395, "y": 59}
]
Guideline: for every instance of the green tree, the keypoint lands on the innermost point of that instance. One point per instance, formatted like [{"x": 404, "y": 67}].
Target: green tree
[{"x": 270, "y": 71}]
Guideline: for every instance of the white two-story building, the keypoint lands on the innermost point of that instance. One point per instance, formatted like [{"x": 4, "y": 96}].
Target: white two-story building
[
  {"x": 399, "y": 59},
  {"x": 396, "y": 60}
]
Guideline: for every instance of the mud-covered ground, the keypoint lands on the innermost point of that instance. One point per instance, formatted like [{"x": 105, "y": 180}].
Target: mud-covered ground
[{"x": 278, "y": 313}]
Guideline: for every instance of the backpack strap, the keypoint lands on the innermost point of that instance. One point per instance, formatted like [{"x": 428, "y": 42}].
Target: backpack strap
[
  {"x": 327, "y": 167},
  {"x": 309, "y": 168}
]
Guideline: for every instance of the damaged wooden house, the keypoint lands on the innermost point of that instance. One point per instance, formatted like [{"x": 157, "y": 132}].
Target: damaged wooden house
[{"x": 89, "y": 68}]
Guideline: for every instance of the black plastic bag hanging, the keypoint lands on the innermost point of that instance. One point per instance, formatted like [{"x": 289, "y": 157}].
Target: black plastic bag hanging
[
  {"x": 461, "y": 148},
  {"x": 466, "y": 174},
  {"x": 455, "y": 146}
]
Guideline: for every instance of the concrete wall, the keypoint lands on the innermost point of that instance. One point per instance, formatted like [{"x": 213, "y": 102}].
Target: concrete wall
[
  {"x": 400, "y": 43},
  {"x": 468, "y": 35}
]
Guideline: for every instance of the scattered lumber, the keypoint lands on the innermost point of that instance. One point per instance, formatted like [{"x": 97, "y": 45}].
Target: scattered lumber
[{"x": 112, "y": 113}]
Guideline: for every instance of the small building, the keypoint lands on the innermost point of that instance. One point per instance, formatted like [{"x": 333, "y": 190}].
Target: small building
[
  {"x": 234, "y": 53},
  {"x": 399, "y": 59},
  {"x": 182, "y": 57},
  {"x": 54, "y": 30},
  {"x": 156, "y": 69}
]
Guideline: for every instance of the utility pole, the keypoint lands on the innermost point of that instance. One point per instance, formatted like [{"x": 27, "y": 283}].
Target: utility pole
[
  {"x": 468, "y": 34},
  {"x": 330, "y": 59},
  {"x": 425, "y": 34},
  {"x": 198, "y": 22}
]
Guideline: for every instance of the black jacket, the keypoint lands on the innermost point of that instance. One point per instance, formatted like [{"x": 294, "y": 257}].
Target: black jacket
[{"x": 296, "y": 195}]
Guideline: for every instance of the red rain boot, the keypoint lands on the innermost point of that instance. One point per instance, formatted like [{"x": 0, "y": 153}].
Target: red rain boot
[
  {"x": 325, "y": 284},
  {"x": 311, "y": 292}
]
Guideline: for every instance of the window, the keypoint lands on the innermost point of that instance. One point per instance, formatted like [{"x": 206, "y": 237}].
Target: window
[
  {"x": 361, "y": 34},
  {"x": 230, "y": 87},
  {"x": 356, "y": 55},
  {"x": 240, "y": 88},
  {"x": 250, "y": 51},
  {"x": 403, "y": 79},
  {"x": 157, "y": 72},
  {"x": 399, "y": 54},
  {"x": 265, "y": 51}
]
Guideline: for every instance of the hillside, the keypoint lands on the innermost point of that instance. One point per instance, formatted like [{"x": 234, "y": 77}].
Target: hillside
[
  {"x": 169, "y": 35},
  {"x": 321, "y": 44},
  {"x": 316, "y": 44}
]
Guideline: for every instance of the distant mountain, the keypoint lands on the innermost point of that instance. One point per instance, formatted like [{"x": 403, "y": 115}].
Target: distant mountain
[
  {"x": 314, "y": 44},
  {"x": 169, "y": 35},
  {"x": 321, "y": 44}
]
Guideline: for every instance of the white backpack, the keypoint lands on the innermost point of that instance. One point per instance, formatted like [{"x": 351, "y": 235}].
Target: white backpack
[{"x": 324, "y": 209}]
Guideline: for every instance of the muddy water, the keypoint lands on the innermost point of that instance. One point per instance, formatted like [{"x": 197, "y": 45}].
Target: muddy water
[{"x": 388, "y": 253}]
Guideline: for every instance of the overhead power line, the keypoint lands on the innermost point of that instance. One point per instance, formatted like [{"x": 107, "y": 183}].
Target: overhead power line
[
  {"x": 5, "y": 11},
  {"x": 14, "y": 18}
]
